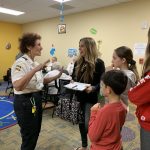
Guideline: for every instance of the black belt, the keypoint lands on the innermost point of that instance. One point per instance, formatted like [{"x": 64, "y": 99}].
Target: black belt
[{"x": 29, "y": 94}]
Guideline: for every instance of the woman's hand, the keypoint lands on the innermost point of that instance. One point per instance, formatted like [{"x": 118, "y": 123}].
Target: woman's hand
[
  {"x": 89, "y": 89},
  {"x": 41, "y": 66},
  {"x": 71, "y": 81}
]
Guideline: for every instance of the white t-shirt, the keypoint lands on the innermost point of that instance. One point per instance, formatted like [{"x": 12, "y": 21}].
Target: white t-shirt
[
  {"x": 49, "y": 67},
  {"x": 70, "y": 68},
  {"x": 131, "y": 82}
]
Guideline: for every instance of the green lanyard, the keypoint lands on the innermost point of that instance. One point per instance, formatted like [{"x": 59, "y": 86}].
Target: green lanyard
[
  {"x": 32, "y": 101},
  {"x": 33, "y": 105}
]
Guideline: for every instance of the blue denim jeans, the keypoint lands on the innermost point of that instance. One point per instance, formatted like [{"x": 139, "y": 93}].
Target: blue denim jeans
[{"x": 83, "y": 127}]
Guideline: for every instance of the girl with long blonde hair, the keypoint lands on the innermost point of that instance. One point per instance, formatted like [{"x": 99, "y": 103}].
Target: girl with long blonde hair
[{"x": 88, "y": 69}]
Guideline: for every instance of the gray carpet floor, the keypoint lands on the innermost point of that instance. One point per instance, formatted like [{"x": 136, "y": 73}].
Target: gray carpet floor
[{"x": 57, "y": 134}]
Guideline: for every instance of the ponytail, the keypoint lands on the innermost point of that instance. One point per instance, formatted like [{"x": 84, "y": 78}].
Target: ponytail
[{"x": 132, "y": 67}]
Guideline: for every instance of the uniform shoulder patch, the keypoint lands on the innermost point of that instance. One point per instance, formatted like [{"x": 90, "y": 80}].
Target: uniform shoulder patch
[{"x": 18, "y": 68}]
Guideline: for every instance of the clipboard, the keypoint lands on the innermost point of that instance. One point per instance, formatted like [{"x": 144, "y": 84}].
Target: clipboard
[{"x": 77, "y": 86}]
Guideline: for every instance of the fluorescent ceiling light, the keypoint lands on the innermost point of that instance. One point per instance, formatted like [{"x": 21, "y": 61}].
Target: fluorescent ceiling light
[
  {"x": 10, "y": 11},
  {"x": 62, "y": 1}
]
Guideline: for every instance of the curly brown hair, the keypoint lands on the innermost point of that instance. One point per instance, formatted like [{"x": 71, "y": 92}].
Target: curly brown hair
[{"x": 28, "y": 39}]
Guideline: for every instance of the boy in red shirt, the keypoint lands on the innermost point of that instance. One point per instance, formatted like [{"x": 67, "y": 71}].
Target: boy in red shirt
[{"x": 106, "y": 122}]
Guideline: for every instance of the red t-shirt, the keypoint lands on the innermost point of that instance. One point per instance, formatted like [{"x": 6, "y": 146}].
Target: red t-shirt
[{"x": 105, "y": 126}]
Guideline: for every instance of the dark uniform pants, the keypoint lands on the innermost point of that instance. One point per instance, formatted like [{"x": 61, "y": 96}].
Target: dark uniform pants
[{"x": 30, "y": 124}]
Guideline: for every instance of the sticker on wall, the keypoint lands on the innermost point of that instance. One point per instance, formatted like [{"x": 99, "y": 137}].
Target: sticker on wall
[
  {"x": 99, "y": 42},
  {"x": 8, "y": 45},
  {"x": 93, "y": 31},
  {"x": 139, "y": 49},
  {"x": 52, "y": 50},
  {"x": 72, "y": 52}
]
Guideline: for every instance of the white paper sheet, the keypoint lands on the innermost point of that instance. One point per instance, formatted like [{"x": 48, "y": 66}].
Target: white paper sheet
[{"x": 77, "y": 86}]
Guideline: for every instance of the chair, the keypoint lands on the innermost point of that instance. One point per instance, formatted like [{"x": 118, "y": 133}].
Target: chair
[
  {"x": 9, "y": 85},
  {"x": 49, "y": 97},
  {"x": 66, "y": 72},
  {"x": 61, "y": 89},
  {"x": 53, "y": 97}
]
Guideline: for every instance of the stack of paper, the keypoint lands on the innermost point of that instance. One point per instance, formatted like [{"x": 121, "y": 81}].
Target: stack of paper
[{"x": 77, "y": 86}]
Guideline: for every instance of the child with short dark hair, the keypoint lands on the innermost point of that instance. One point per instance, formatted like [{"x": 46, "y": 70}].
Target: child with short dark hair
[{"x": 106, "y": 122}]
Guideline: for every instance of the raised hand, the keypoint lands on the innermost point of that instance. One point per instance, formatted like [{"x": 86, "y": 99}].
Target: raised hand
[
  {"x": 41, "y": 66},
  {"x": 47, "y": 61},
  {"x": 89, "y": 89}
]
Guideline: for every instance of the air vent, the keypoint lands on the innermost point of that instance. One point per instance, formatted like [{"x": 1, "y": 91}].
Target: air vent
[
  {"x": 123, "y": 1},
  {"x": 58, "y": 6}
]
